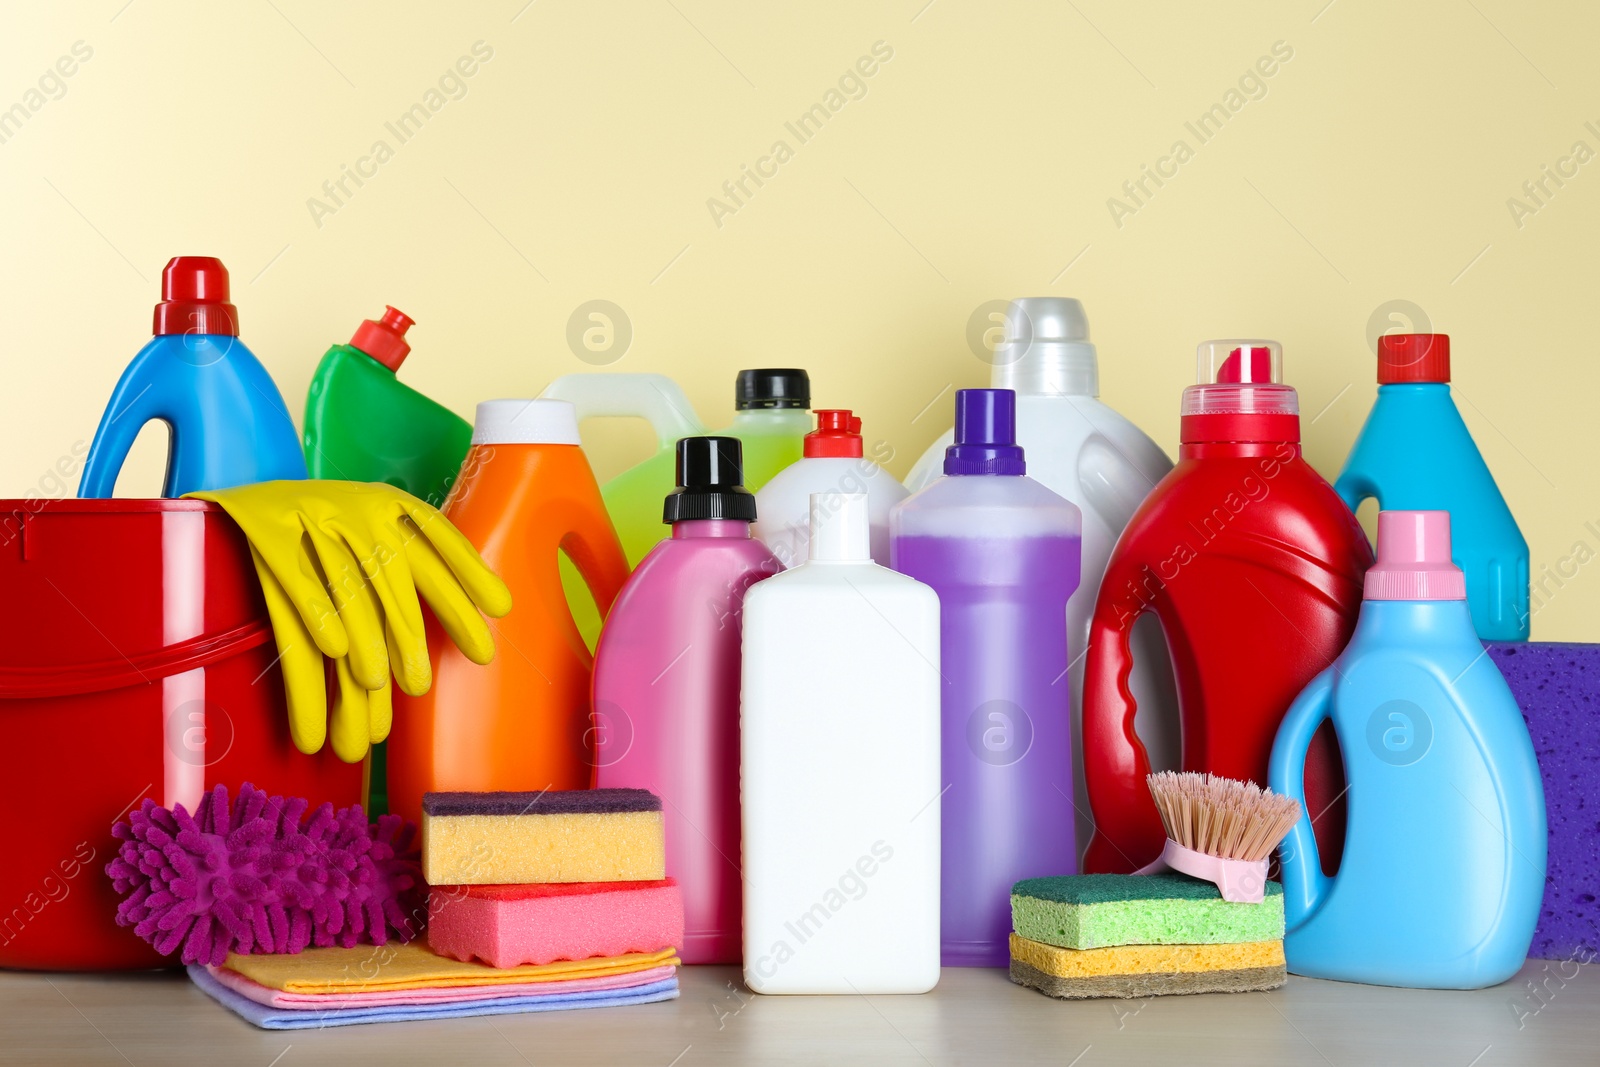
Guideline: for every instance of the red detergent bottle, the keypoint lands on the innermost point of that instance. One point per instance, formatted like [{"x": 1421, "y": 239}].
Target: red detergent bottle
[{"x": 1253, "y": 565}]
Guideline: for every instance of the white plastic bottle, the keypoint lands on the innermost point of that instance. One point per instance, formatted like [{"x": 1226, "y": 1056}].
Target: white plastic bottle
[
  {"x": 840, "y": 784},
  {"x": 1096, "y": 458},
  {"x": 835, "y": 464}
]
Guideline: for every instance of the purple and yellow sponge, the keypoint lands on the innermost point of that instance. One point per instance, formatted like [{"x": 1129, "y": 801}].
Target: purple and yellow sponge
[{"x": 583, "y": 835}]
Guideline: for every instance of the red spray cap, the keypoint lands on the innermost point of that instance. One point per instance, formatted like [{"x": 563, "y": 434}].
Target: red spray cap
[
  {"x": 1413, "y": 357},
  {"x": 385, "y": 339},
  {"x": 194, "y": 298},
  {"x": 838, "y": 434},
  {"x": 1240, "y": 395}
]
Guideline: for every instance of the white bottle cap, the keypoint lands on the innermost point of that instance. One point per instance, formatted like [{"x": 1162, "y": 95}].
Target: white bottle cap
[
  {"x": 525, "y": 422},
  {"x": 1046, "y": 350},
  {"x": 840, "y": 532}
]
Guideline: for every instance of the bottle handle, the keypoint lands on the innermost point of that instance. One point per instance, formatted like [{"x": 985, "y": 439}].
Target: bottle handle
[
  {"x": 593, "y": 547},
  {"x": 1113, "y": 486},
  {"x": 1127, "y": 827},
  {"x": 653, "y": 397},
  {"x": 1354, "y": 486},
  {"x": 1305, "y": 886},
  {"x": 124, "y": 417}
]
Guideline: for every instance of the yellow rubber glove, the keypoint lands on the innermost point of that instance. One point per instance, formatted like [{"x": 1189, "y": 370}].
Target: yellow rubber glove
[{"x": 341, "y": 564}]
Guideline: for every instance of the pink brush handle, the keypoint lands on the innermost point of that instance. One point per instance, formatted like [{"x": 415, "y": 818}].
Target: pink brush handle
[{"x": 1241, "y": 881}]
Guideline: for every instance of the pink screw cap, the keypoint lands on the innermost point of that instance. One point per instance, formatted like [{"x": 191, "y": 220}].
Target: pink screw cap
[{"x": 1414, "y": 559}]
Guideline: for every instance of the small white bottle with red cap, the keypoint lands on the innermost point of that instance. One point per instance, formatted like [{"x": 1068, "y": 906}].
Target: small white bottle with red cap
[{"x": 834, "y": 464}]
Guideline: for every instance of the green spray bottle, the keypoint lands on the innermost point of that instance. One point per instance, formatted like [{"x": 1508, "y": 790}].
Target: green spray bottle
[
  {"x": 364, "y": 425},
  {"x": 772, "y": 415}
]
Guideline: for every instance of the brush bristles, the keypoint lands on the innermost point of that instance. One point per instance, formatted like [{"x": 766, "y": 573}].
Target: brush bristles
[{"x": 1222, "y": 817}]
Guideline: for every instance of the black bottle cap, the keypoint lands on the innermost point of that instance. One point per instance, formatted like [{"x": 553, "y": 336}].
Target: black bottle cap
[
  {"x": 710, "y": 482},
  {"x": 772, "y": 388}
]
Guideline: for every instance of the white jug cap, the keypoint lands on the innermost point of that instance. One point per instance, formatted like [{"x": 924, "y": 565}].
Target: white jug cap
[
  {"x": 840, "y": 531},
  {"x": 525, "y": 422},
  {"x": 1046, "y": 349}
]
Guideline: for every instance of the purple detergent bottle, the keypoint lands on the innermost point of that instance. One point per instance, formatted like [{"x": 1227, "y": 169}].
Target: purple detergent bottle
[{"x": 1003, "y": 553}]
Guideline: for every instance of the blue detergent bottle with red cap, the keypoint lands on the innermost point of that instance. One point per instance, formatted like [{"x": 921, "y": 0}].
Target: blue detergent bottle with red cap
[
  {"x": 1415, "y": 453},
  {"x": 1003, "y": 553},
  {"x": 228, "y": 422}
]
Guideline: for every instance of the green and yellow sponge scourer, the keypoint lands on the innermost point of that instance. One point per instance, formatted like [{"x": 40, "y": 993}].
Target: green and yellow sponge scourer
[
  {"x": 1101, "y": 910},
  {"x": 1124, "y": 935}
]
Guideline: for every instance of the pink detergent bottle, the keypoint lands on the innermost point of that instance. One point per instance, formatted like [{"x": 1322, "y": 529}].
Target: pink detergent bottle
[{"x": 666, "y": 686}]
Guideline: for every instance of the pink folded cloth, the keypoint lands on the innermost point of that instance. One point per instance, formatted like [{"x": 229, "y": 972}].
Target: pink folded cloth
[{"x": 276, "y": 998}]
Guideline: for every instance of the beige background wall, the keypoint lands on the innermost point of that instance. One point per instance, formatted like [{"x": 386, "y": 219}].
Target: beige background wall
[{"x": 1373, "y": 166}]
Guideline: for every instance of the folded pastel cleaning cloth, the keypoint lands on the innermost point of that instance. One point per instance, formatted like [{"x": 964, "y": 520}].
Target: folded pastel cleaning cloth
[
  {"x": 1146, "y": 970},
  {"x": 1087, "y": 911},
  {"x": 372, "y": 968},
  {"x": 276, "y": 998},
  {"x": 271, "y": 1018}
]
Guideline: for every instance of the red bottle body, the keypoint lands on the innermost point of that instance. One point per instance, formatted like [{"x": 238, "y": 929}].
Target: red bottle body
[{"x": 1253, "y": 566}]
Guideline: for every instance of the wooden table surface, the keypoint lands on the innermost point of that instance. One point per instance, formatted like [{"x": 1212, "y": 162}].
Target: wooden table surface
[{"x": 974, "y": 1017}]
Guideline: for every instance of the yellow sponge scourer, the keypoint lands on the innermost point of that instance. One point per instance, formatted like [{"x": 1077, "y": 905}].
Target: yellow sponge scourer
[
  {"x": 1133, "y": 971},
  {"x": 587, "y": 835}
]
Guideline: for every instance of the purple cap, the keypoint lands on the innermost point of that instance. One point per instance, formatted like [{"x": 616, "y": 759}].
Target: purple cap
[{"x": 986, "y": 434}]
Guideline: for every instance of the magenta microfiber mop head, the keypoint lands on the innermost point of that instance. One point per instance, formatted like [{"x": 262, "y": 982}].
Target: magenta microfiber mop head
[{"x": 257, "y": 880}]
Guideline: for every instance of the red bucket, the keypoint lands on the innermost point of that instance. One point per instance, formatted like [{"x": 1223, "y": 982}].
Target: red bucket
[{"x": 136, "y": 660}]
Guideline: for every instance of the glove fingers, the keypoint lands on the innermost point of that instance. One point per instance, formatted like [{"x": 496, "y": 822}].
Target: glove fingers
[
  {"x": 412, "y": 682},
  {"x": 471, "y": 573},
  {"x": 364, "y": 621},
  {"x": 345, "y": 581},
  {"x": 394, "y": 607},
  {"x": 297, "y": 579},
  {"x": 380, "y": 711},
  {"x": 456, "y": 613},
  {"x": 350, "y": 724},
  {"x": 305, "y": 687}
]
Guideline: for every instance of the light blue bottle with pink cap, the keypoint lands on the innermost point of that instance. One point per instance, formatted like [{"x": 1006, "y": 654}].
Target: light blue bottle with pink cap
[{"x": 1440, "y": 882}]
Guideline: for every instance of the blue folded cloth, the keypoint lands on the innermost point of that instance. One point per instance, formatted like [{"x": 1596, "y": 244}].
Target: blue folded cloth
[{"x": 269, "y": 1018}]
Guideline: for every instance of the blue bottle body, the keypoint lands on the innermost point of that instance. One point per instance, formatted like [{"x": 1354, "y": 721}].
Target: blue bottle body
[
  {"x": 229, "y": 423},
  {"x": 1415, "y": 454},
  {"x": 1443, "y": 870}
]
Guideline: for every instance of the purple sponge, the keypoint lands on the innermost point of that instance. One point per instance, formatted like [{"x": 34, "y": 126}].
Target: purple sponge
[
  {"x": 1557, "y": 686},
  {"x": 255, "y": 879}
]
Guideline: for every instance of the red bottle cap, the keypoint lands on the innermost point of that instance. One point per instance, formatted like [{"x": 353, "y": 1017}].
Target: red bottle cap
[
  {"x": 1239, "y": 395},
  {"x": 838, "y": 434},
  {"x": 194, "y": 298},
  {"x": 1413, "y": 357},
  {"x": 385, "y": 339}
]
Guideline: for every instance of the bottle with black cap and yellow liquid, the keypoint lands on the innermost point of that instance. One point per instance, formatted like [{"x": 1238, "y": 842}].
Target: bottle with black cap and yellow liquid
[{"x": 772, "y": 415}]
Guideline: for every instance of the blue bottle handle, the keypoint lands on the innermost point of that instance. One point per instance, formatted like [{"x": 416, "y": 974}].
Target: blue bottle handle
[
  {"x": 124, "y": 417},
  {"x": 1305, "y": 887},
  {"x": 1354, "y": 487}
]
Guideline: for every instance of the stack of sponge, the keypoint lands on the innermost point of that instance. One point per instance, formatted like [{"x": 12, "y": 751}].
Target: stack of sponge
[
  {"x": 1124, "y": 935},
  {"x": 537, "y": 902},
  {"x": 519, "y": 879}
]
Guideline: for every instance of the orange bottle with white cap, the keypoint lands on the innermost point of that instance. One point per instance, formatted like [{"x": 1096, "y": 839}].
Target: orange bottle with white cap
[{"x": 525, "y": 494}]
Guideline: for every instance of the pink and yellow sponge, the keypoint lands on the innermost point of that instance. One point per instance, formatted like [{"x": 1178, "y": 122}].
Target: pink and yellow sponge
[
  {"x": 515, "y": 925},
  {"x": 532, "y": 878}
]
